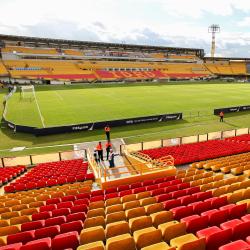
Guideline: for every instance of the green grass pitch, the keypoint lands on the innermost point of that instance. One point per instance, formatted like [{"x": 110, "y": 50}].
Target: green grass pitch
[
  {"x": 65, "y": 105},
  {"x": 82, "y": 103}
]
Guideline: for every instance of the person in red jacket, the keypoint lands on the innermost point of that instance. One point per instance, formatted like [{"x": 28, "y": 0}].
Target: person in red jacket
[
  {"x": 221, "y": 116},
  {"x": 107, "y": 132},
  {"x": 99, "y": 151}
]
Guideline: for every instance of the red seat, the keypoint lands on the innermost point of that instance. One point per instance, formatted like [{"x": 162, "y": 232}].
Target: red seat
[
  {"x": 246, "y": 217},
  {"x": 170, "y": 189},
  {"x": 31, "y": 185},
  {"x": 81, "y": 202},
  {"x": 50, "y": 207},
  {"x": 159, "y": 180},
  {"x": 135, "y": 185},
  {"x": 217, "y": 202},
  {"x": 41, "y": 216},
  {"x": 184, "y": 185},
  {"x": 138, "y": 190},
  {"x": 216, "y": 217},
  {"x": 71, "y": 179},
  {"x": 175, "y": 182},
  {"x": 97, "y": 198},
  {"x": 123, "y": 188},
  {"x": 177, "y": 194},
  {"x": 215, "y": 237},
  {"x": 236, "y": 245},
  {"x": 193, "y": 190},
  {"x": 66, "y": 204},
  {"x": 76, "y": 216},
  {"x": 68, "y": 198},
  {"x": 110, "y": 196},
  {"x": 41, "y": 244},
  {"x": 61, "y": 211},
  {"x": 171, "y": 204},
  {"x": 187, "y": 199},
  {"x": 22, "y": 237},
  {"x": 32, "y": 225},
  {"x": 152, "y": 187},
  {"x": 71, "y": 226},
  {"x": 235, "y": 211},
  {"x": 65, "y": 240},
  {"x": 15, "y": 246},
  {"x": 181, "y": 212},
  {"x": 41, "y": 184},
  {"x": 200, "y": 206},
  {"x": 230, "y": 224},
  {"x": 83, "y": 196},
  {"x": 163, "y": 197},
  {"x": 195, "y": 223},
  {"x": 79, "y": 208},
  {"x": 201, "y": 196},
  {"x": 9, "y": 189},
  {"x": 47, "y": 232},
  {"x": 20, "y": 187},
  {"x": 97, "y": 193},
  {"x": 53, "y": 201},
  {"x": 147, "y": 183},
  {"x": 125, "y": 192},
  {"x": 55, "y": 221},
  {"x": 239, "y": 230},
  {"x": 110, "y": 190},
  {"x": 158, "y": 191},
  {"x": 51, "y": 182}
]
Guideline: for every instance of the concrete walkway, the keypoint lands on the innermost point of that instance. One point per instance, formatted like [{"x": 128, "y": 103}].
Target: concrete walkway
[{"x": 119, "y": 162}]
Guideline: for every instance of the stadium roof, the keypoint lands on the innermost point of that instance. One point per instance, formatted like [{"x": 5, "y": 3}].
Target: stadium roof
[{"x": 50, "y": 42}]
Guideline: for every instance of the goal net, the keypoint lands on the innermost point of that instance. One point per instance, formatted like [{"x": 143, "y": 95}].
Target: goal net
[{"x": 28, "y": 92}]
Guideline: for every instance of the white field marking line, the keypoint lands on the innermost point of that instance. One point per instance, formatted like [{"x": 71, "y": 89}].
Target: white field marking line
[
  {"x": 39, "y": 111},
  {"x": 60, "y": 97}
]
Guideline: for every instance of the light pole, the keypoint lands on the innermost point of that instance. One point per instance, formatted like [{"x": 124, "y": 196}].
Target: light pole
[{"x": 214, "y": 28}]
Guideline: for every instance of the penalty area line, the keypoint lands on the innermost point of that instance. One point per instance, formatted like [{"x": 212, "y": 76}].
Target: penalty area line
[{"x": 39, "y": 111}]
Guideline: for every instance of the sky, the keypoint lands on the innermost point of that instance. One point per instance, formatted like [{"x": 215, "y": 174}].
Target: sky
[{"x": 175, "y": 23}]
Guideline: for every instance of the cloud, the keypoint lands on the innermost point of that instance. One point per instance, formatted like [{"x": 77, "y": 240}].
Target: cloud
[{"x": 175, "y": 23}]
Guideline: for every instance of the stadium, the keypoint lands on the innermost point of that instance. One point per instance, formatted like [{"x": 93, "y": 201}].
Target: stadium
[{"x": 123, "y": 146}]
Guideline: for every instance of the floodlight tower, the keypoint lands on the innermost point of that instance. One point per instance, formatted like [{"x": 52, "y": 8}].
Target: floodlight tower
[{"x": 214, "y": 28}]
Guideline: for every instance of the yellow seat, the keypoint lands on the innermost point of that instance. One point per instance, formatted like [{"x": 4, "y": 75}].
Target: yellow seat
[
  {"x": 233, "y": 187},
  {"x": 59, "y": 194},
  {"x": 4, "y": 210},
  {"x": 172, "y": 229},
  {"x": 121, "y": 242},
  {"x": 8, "y": 215},
  {"x": 148, "y": 201},
  {"x": 4, "y": 231},
  {"x": 139, "y": 223},
  {"x": 235, "y": 196},
  {"x": 29, "y": 211},
  {"x": 19, "y": 207},
  {"x": 4, "y": 223},
  {"x": 131, "y": 204},
  {"x": 188, "y": 242},
  {"x": 135, "y": 212},
  {"x": 114, "y": 217},
  {"x": 117, "y": 228},
  {"x": 147, "y": 236},
  {"x": 71, "y": 192},
  {"x": 98, "y": 245},
  {"x": 27, "y": 200},
  {"x": 245, "y": 184},
  {"x": 127, "y": 198},
  {"x": 161, "y": 217},
  {"x": 92, "y": 234},
  {"x": 114, "y": 208},
  {"x": 19, "y": 220},
  {"x": 96, "y": 204},
  {"x": 154, "y": 208},
  {"x": 143, "y": 195},
  {"x": 96, "y": 212},
  {"x": 94, "y": 222},
  {"x": 12, "y": 203},
  {"x": 159, "y": 246},
  {"x": 37, "y": 204},
  {"x": 113, "y": 201},
  {"x": 43, "y": 197}
]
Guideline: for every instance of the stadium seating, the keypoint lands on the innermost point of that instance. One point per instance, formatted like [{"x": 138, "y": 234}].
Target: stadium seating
[
  {"x": 9, "y": 173},
  {"x": 192, "y": 152},
  {"x": 52, "y": 174},
  {"x": 170, "y": 209}
]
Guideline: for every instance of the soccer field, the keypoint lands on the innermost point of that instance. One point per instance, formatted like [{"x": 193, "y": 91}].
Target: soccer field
[{"x": 64, "y": 105}]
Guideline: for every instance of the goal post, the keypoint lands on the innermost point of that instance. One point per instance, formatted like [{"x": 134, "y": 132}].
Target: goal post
[{"x": 27, "y": 92}]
